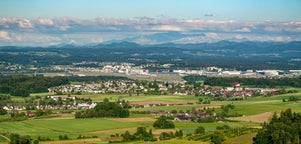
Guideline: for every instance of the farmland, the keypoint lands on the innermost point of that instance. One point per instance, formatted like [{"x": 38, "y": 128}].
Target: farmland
[{"x": 254, "y": 110}]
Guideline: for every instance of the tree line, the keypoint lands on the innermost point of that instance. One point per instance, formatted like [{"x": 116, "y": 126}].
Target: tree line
[
  {"x": 24, "y": 85},
  {"x": 109, "y": 109}
]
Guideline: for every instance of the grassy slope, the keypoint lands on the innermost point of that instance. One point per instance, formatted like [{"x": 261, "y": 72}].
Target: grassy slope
[
  {"x": 243, "y": 139},
  {"x": 54, "y": 127}
]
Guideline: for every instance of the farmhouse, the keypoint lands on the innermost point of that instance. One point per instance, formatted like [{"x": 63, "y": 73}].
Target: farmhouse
[{"x": 182, "y": 118}]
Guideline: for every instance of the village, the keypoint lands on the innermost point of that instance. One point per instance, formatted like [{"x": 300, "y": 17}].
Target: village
[
  {"x": 65, "y": 102},
  {"x": 158, "y": 87}
]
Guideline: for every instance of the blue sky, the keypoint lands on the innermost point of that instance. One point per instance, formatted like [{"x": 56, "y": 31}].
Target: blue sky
[
  {"x": 244, "y": 10},
  {"x": 54, "y": 22}
]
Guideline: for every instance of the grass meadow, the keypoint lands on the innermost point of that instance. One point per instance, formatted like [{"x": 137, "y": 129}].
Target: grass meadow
[{"x": 52, "y": 128}]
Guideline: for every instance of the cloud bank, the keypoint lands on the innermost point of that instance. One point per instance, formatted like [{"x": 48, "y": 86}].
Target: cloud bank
[{"x": 45, "y": 31}]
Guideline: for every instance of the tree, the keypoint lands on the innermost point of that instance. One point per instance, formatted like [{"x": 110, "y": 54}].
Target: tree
[
  {"x": 174, "y": 111},
  {"x": 199, "y": 130},
  {"x": 179, "y": 133},
  {"x": 217, "y": 137},
  {"x": 3, "y": 111},
  {"x": 109, "y": 109},
  {"x": 163, "y": 123},
  {"x": 17, "y": 139},
  {"x": 106, "y": 100},
  {"x": 200, "y": 100},
  {"x": 127, "y": 136},
  {"x": 36, "y": 142}
]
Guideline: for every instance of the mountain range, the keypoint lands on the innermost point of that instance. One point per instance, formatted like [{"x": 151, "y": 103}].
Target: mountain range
[{"x": 247, "y": 54}]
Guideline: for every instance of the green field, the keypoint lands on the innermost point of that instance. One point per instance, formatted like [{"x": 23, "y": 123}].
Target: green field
[
  {"x": 141, "y": 98},
  {"x": 52, "y": 127},
  {"x": 170, "y": 108},
  {"x": 189, "y": 127}
]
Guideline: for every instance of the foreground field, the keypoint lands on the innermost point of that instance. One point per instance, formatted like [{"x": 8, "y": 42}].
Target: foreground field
[
  {"x": 52, "y": 128},
  {"x": 254, "y": 110}
]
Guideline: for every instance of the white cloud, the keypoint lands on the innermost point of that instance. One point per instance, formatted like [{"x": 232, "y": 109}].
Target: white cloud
[
  {"x": 245, "y": 29},
  {"x": 273, "y": 29},
  {"x": 84, "y": 31},
  {"x": 25, "y": 24},
  {"x": 167, "y": 28},
  {"x": 4, "y": 36},
  {"x": 45, "y": 21},
  {"x": 211, "y": 35},
  {"x": 97, "y": 40}
]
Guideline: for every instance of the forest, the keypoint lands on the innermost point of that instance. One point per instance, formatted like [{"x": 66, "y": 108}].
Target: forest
[
  {"x": 284, "y": 129},
  {"x": 24, "y": 85},
  {"x": 107, "y": 109}
]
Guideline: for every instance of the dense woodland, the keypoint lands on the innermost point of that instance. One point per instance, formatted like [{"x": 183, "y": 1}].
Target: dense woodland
[
  {"x": 285, "y": 129},
  {"x": 109, "y": 109},
  {"x": 24, "y": 85}
]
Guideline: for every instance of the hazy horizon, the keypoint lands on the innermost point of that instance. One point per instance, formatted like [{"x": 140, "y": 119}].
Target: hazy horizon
[{"x": 44, "y": 23}]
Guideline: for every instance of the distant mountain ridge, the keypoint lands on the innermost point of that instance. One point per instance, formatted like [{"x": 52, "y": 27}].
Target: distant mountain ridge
[{"x": 248, "y": 54}]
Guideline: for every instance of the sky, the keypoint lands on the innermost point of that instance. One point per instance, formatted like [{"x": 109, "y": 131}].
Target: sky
[{"x": 52, "y": 22}]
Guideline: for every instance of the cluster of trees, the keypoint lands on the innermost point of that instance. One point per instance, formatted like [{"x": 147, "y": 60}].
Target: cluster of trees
[
  {"x": 24, "y": 85},
  {"x": 291, "y": 99},
  {"x": 40, "y": 113},
  {"x": 227, "y": 111},
  {"x": 42, "y": 138},
  {"x": 4, "y": 99},
  {"x": 219, "y": 135},
  {"x": 170, "y": 135},
  {"x": 63, "y": 137},
  {"x": 85, "y": 137},
  {"x": 284, "y": 129},
  {"x": 140, "y": 134},
  {"x": 255, "y": 82},
  {"x": 18, "y": 139},
  {"x": 109, "y": 109},
  {"x": 163, "y": 123}
]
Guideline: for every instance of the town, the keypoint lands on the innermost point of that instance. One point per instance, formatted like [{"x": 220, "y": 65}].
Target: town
[{"x": 152, "y": 70}]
